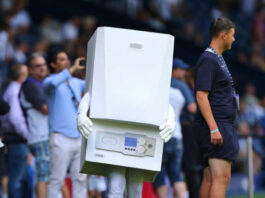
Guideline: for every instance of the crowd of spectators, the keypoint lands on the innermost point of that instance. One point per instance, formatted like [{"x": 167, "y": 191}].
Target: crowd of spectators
[
  {"x": 189, "y": 20},
  {"x": 20, "y": 36},
  {"x": 250, "y": 121}
]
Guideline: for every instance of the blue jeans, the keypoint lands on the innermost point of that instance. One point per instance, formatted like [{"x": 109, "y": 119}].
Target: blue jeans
[
  {"x": 171, "y": 163},
  {"x": 16, "y": 168}
]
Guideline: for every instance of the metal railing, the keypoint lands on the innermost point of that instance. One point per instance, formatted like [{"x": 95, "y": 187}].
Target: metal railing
[{"x": 250, "y": 166}]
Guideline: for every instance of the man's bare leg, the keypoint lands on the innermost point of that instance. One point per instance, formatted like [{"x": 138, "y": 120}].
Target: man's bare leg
[
  {"x": 4, "y": 182},
  {"x": 206, "y": 183},
  {"x": 41, "y": 189},
  {"x": 221, "y": 172},
  {"x": 65, "y": 191},
  {"x": 161, "y": 191},
  {"x": 180, "y": 189}
]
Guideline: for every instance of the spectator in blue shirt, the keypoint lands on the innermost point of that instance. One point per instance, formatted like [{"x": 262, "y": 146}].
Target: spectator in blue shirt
[
  {"x": 177, "y": 81},
  {"x": 63, "y": 93},
  {"x": 190, "y": 167}
]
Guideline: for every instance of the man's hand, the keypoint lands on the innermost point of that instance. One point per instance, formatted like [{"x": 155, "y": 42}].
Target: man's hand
[
  {"x": 84, "y": 124},
  {"x": 77, "y": 67},
  {"x": 44, "y": 109},
  {"x": 192, "y": 107},
  {"x": 216, "y": 138}
]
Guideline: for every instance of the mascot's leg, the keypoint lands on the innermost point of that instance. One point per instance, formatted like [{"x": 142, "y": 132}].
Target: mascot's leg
[
  {"x": 134, "y": 178},
  {"x": 117, "y": 182}
]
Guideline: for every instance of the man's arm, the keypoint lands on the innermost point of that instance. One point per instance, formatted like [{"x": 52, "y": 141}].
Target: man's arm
[
  {"x": 4, "y": 106},
  {"x": 52, "y": 82},
  {"x": 204, "y": 105},
  {"x": 16, "y": 117},
  {"x": 34, "y": 94},
  {"x": 191, "y": 105}
]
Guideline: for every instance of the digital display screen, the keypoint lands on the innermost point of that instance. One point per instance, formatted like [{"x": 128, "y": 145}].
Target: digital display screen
[{"x": 129, "y": 141}]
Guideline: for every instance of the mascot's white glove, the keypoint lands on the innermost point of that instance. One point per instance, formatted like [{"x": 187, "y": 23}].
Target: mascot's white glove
[
  {"x": 84, "y": 124},
  {"x": 1, "y": 143},
  {"x": 168, "y": 127}
]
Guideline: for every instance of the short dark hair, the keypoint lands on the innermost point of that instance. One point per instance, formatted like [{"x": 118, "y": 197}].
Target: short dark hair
[
  {"x": 52, "y": 57},
  {"x": 16, "y": 71},
  {"x": 219, "y": 25},
  {"x": 33, "y": 56}
]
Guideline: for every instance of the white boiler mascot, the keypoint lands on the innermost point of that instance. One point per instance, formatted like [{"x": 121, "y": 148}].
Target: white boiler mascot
[{"x": 122, "y": 175}]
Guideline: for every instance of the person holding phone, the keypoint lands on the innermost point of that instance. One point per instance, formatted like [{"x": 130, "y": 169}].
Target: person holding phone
[{"x": 63, "y": 93}]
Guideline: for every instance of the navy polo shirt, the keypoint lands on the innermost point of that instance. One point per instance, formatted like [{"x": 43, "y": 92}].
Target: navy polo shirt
[
  {"x": 34, "y": 93},
  {"x": 211, "y": 77},
  {"x": 32, "y": 98}
]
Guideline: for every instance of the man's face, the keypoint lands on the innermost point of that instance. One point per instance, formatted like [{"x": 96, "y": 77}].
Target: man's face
[
  {"x": 179, "y": 73},
  {"x": 24, "y": 71},
  {"x": 229, "y": 38},
  {"x": 62, "y": 62},
  {"x": 38, "y": 68}
]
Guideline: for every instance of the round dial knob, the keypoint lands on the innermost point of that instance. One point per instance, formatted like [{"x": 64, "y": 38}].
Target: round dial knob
[
  {"x": 141, "y": 149},
  {"x": 141, "y": 141}
]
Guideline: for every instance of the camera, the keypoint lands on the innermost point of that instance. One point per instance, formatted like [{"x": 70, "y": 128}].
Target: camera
[{"x": 82, "y": 62}]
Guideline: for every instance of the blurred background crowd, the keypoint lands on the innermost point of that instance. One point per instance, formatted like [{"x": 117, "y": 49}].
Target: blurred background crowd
[{"x": 28, "y": 26}]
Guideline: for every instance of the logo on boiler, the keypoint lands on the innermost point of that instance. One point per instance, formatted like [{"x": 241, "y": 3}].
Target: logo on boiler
[{"x": 99, "y": 155}]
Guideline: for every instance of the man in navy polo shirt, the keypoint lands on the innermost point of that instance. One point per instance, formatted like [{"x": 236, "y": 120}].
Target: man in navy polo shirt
[
  {"x": 32, "y": 100},
  {"x": 213, "y": 127}
]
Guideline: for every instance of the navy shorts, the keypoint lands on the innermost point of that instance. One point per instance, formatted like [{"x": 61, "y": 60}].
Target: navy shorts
[
  {"x": 171, "y": 163},
  {"x": 227, "y": 151}
]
